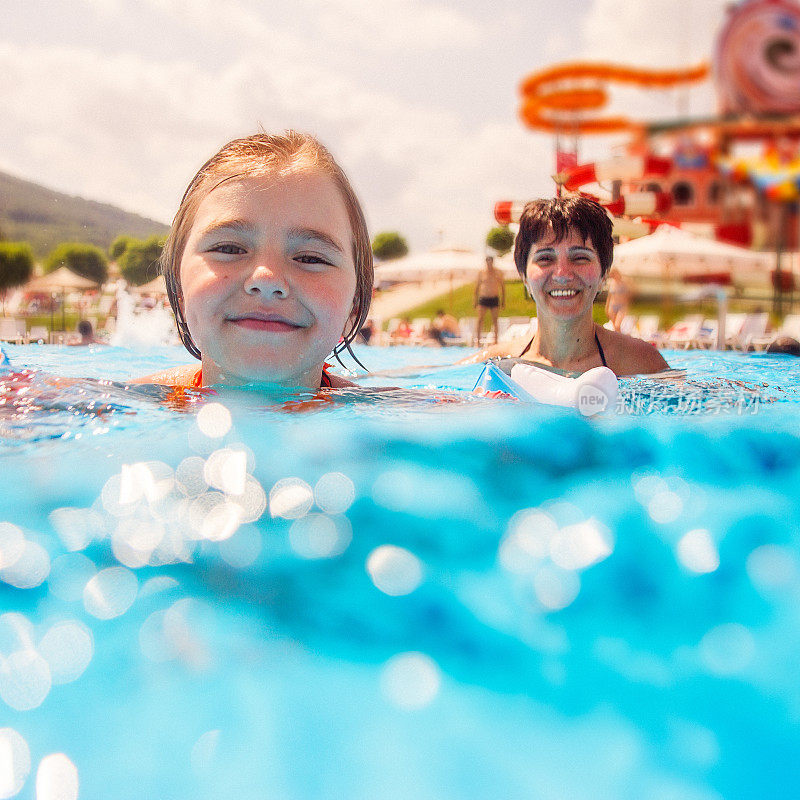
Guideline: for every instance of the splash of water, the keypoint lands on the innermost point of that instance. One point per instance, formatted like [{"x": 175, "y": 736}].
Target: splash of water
[{"x": 138, "y": 327}]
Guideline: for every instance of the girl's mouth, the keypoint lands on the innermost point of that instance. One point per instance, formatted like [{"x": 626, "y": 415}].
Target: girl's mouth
[{"x": 269, "y": 322}]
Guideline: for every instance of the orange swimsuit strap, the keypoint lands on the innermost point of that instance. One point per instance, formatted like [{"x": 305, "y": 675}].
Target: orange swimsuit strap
[{"x": 197, "y": 379}]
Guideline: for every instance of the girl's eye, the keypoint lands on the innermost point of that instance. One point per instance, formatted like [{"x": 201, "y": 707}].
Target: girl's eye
[
  {"x": 228, "y": 249},
  {"x": 312, "y": 259}
]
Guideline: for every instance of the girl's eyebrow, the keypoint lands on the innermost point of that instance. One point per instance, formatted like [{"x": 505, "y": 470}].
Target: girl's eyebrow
[
  {"x": 235, "y": 225},
  {"x": 310, "y": 234}
]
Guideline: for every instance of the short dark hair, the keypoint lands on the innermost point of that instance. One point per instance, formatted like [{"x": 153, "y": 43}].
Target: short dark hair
[
  {"x": 85, "y": 328},
  {"x": 560, "y": 215}
]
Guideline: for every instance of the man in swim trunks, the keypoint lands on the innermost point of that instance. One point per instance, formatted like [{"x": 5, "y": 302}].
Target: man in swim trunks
[{"x": 490, "y": 295}]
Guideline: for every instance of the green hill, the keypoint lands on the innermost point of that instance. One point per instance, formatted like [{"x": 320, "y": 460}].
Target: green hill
[{"x": 45, "y": 218}]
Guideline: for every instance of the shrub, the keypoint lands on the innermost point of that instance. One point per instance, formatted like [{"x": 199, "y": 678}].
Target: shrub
[
  {"x": 16, "y": 264},
  {"x": 389, "y": 245},
  {"x": 83, "y": 259},
  {"x": 500, "y": 239},
  {"x": 139, "y": 263}
]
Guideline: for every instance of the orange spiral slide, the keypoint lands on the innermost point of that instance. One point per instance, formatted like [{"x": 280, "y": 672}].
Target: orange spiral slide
[{"x": 557, "y": 98}]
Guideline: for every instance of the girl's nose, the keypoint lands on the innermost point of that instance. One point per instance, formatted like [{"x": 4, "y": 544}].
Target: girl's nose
[{"x": 266, "y": 279}]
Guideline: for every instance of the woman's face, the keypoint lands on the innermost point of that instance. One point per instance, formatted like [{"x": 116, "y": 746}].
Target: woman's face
[
  {"x": 563, "y": 277},
  {"x": 268, "y": 278}
]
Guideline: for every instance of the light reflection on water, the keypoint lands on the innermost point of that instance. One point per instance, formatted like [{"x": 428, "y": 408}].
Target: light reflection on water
[{"x": 401, "y": 597}]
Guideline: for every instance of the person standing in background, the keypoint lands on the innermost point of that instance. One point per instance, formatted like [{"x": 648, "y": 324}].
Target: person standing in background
[
  {"x": 490, "y": 295},
  {"x": 617, "y": 299}
]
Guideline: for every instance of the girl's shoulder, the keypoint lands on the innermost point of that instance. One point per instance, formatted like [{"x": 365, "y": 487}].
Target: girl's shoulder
[
  {"x": 176, "y": 376},
  {"x": 337, "y": 382}
]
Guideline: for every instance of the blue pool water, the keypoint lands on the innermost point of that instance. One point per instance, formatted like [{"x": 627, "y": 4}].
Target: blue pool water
[{"x": 397, "y": 594}]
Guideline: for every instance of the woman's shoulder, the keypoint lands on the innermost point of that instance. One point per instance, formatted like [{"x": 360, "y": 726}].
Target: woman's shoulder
[
  {"x": 629, "y": 355},
  {"x": 175, "y": 376}
]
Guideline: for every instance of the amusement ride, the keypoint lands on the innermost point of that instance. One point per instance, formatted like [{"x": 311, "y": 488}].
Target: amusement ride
[{"x": 733, "y": 176}]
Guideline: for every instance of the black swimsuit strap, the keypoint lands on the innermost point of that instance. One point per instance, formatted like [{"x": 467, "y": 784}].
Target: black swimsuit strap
[{"x": 600, "y": 349}]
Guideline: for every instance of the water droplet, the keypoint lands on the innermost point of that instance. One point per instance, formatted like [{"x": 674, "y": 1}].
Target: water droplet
[
  {"x": 30, "y": 569},
  {"x": 24, "y": 680},
  {"x": 411, "y": 680},
  {"x": 56, "y": 778},
  {"x": 320, "y": 536},
  {"x": 697, "y": 551},
  {"x": 394, "y": 570},
  {"x": 214, "y": 420},
  {"x": 110, "y": 593},
  {"x": 334, "y": 493},
  {"x": 15, "y": 762},
  {"x": 12, "y": 544},
  {"x": 68, "y": 648},
  {"x": 290, "y": 498},
  {"x": 727, "y": 649},
  {"x": 555, "y": 588}
]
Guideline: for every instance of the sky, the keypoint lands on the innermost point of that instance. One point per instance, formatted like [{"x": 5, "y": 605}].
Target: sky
[{"x": 122, "y": 101}]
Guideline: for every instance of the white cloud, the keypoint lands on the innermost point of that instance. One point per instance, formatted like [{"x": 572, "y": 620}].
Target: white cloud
[
  {"x": 397, "y": 25},
  {"x": 130, "y": 124}
]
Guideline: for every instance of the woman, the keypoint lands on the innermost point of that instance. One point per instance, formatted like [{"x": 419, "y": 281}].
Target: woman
[
  {"x": 563, "y": 251},
  {"x": 618, "y": 298}
]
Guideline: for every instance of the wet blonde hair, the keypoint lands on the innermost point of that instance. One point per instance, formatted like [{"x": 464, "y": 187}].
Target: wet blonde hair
[{"x": 255, "y": 156}]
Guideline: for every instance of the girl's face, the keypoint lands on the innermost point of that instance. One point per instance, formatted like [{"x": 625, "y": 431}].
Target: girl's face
[
  {"x": 268, "y": 278},
  {"x": 563, "y": 277}
]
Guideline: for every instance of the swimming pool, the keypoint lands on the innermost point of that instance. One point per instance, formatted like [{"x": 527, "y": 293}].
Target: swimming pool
[{"x": 391, "y": 596}]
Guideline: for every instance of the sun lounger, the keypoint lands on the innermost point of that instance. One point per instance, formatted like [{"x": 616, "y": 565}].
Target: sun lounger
[
  {"x": 647, "y": 328},
  {"x": 683, "y": 334},
  {"x": 790, "y": 326},
  {"x": 707, "y": 335},
  {"x": 628, "y": 325},
  {"x": 12, "y": 329},
  {"x": 467, "y": 327},
  {"x": 753, "y": 329},
  {"x": 519, "y": 328},
  {"x": 38, "y": 332}
]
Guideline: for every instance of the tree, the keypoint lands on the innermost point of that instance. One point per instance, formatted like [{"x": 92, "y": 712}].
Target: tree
[
  {"x": 119, "y": 246},
  {"x": 389, "y": 245},
  {"x": 500, "y": 239},
  {"x": 139, "y": 263},
  {"x": 16, "y": 266},
  {"x": 83, "y": 259}
]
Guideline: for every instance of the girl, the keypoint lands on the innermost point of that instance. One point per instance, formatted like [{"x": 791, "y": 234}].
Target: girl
[{"x": 268, "y": 265}]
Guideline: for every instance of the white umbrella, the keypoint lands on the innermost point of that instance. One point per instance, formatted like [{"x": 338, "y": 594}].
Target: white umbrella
[
  {"x": 674, "y": 254},
  {"x": 59, "y": 280},
  {"x": 456, "y": 263},
  {"x": 156, "y": 286}
]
